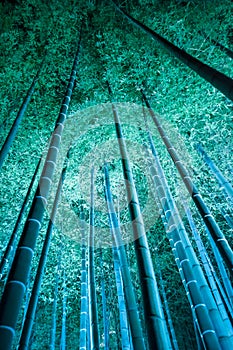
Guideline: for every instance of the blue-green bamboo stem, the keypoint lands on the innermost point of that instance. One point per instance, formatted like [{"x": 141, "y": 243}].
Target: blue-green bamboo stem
[
  {"x": 222, "y": 181},
  {"x": 84, "y": 289},
  {"x": 16, "y": 284},
  {"x": 93, "y": 309},
  {"x": 31, "y": 311},
  {"x": 13, "y": 131},
  {"x": 179, "y": 237},
  {"x": 132, "y": 308},
  {"x": 219, "y": 80},
  {"x": 215, "y": 231},
  {"x": 9, "y": 251},
  {"x": 154, "y": 317}
]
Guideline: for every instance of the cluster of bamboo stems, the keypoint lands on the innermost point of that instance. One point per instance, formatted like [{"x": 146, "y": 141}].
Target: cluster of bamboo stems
[{"x": 210, "y": 297}]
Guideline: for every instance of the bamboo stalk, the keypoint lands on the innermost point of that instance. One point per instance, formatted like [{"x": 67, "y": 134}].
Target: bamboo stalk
[
  {"x": 154, "y": 317},
  {"x": 216, "y": 233},
  {"x": 31, "y": 310},
  {"x": 132, "y": 308},
  {"x": 52, "y": 339},
  {"x": 15, "y": 127},
  {"x": 219, "y": 80},
  {"x": 187, "y": 263},
  {"x": 15, "y": 288},
  {"x": 222, "y": 181},
  {"x": 205, "y": 261},
  {"x": 93, "y": 309},
  {"x": 84, "y": 290},
  {"x": 9, "y": 251}
]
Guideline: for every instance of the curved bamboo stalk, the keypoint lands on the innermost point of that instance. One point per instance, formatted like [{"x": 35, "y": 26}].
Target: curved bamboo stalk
[
  {"x": 10, "y": 246},
  {"x": 216, "y": 233},
  {"x": 13, "y": 131},
  {"x": 154, "y": 317},
  {"x": 132, "y": 309},
  {"x": 222, "y": 181},
  {"x": 31, "y": 311},
  {"x": 20, "y": 271},
  {"x": 93, "y": 310},
  {"x": 84, "y": 290},
  {"x": 219, "y": 80}
]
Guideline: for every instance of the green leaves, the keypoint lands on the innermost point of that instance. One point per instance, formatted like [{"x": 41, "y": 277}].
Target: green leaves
[{"x": 111, "y": 50}]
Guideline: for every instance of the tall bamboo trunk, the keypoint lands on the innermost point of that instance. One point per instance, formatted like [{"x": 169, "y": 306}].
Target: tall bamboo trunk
[
  {"x": 199, "y": 339},
  {"x": 218, "y": 237},
  {"x": 131, "y": 304},
  {"x": 211, "y": 280},
  {"x": 84, "y": 289},
  {"x": 222, "y": 181},
  {"x": 224, "y": 275},
  {"x": 167, "y": 309},
  {"x": 13, "y": 131},
  {"x": 9, "y": 251},
  {"x": 64, "y": 310},
  {"x": 171, "y": 207},
  {"x": 219, "y": 80},
  {"x": 15, "y": 288},
  {"x": 154, "y": 317},
  {"x": 31, "y": 311},
  {"x": 187, "y": 263},
  {"x": 93, "y": 309},
  {"x": 125, "y": 340},
  {"x": 52, "y": 340},
  {"x": 104, "y": 304}
]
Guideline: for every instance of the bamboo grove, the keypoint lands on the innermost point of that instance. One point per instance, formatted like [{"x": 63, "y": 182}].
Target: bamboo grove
[{"x": 116, "y": 191}]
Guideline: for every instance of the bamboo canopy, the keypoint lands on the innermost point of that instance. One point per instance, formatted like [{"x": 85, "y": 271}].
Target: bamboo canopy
[{"x": 116, "y": 175}]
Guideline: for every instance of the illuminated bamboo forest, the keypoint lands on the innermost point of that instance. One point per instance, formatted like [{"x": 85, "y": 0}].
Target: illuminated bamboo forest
[{"x": 116, "y": 196}]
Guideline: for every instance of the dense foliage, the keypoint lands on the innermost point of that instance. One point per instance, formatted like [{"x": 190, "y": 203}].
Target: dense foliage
[{"x": 191, "y": 110}]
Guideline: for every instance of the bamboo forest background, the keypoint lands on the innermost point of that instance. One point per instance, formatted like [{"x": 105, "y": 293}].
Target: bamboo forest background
[{"x": 191, "y": 110}]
